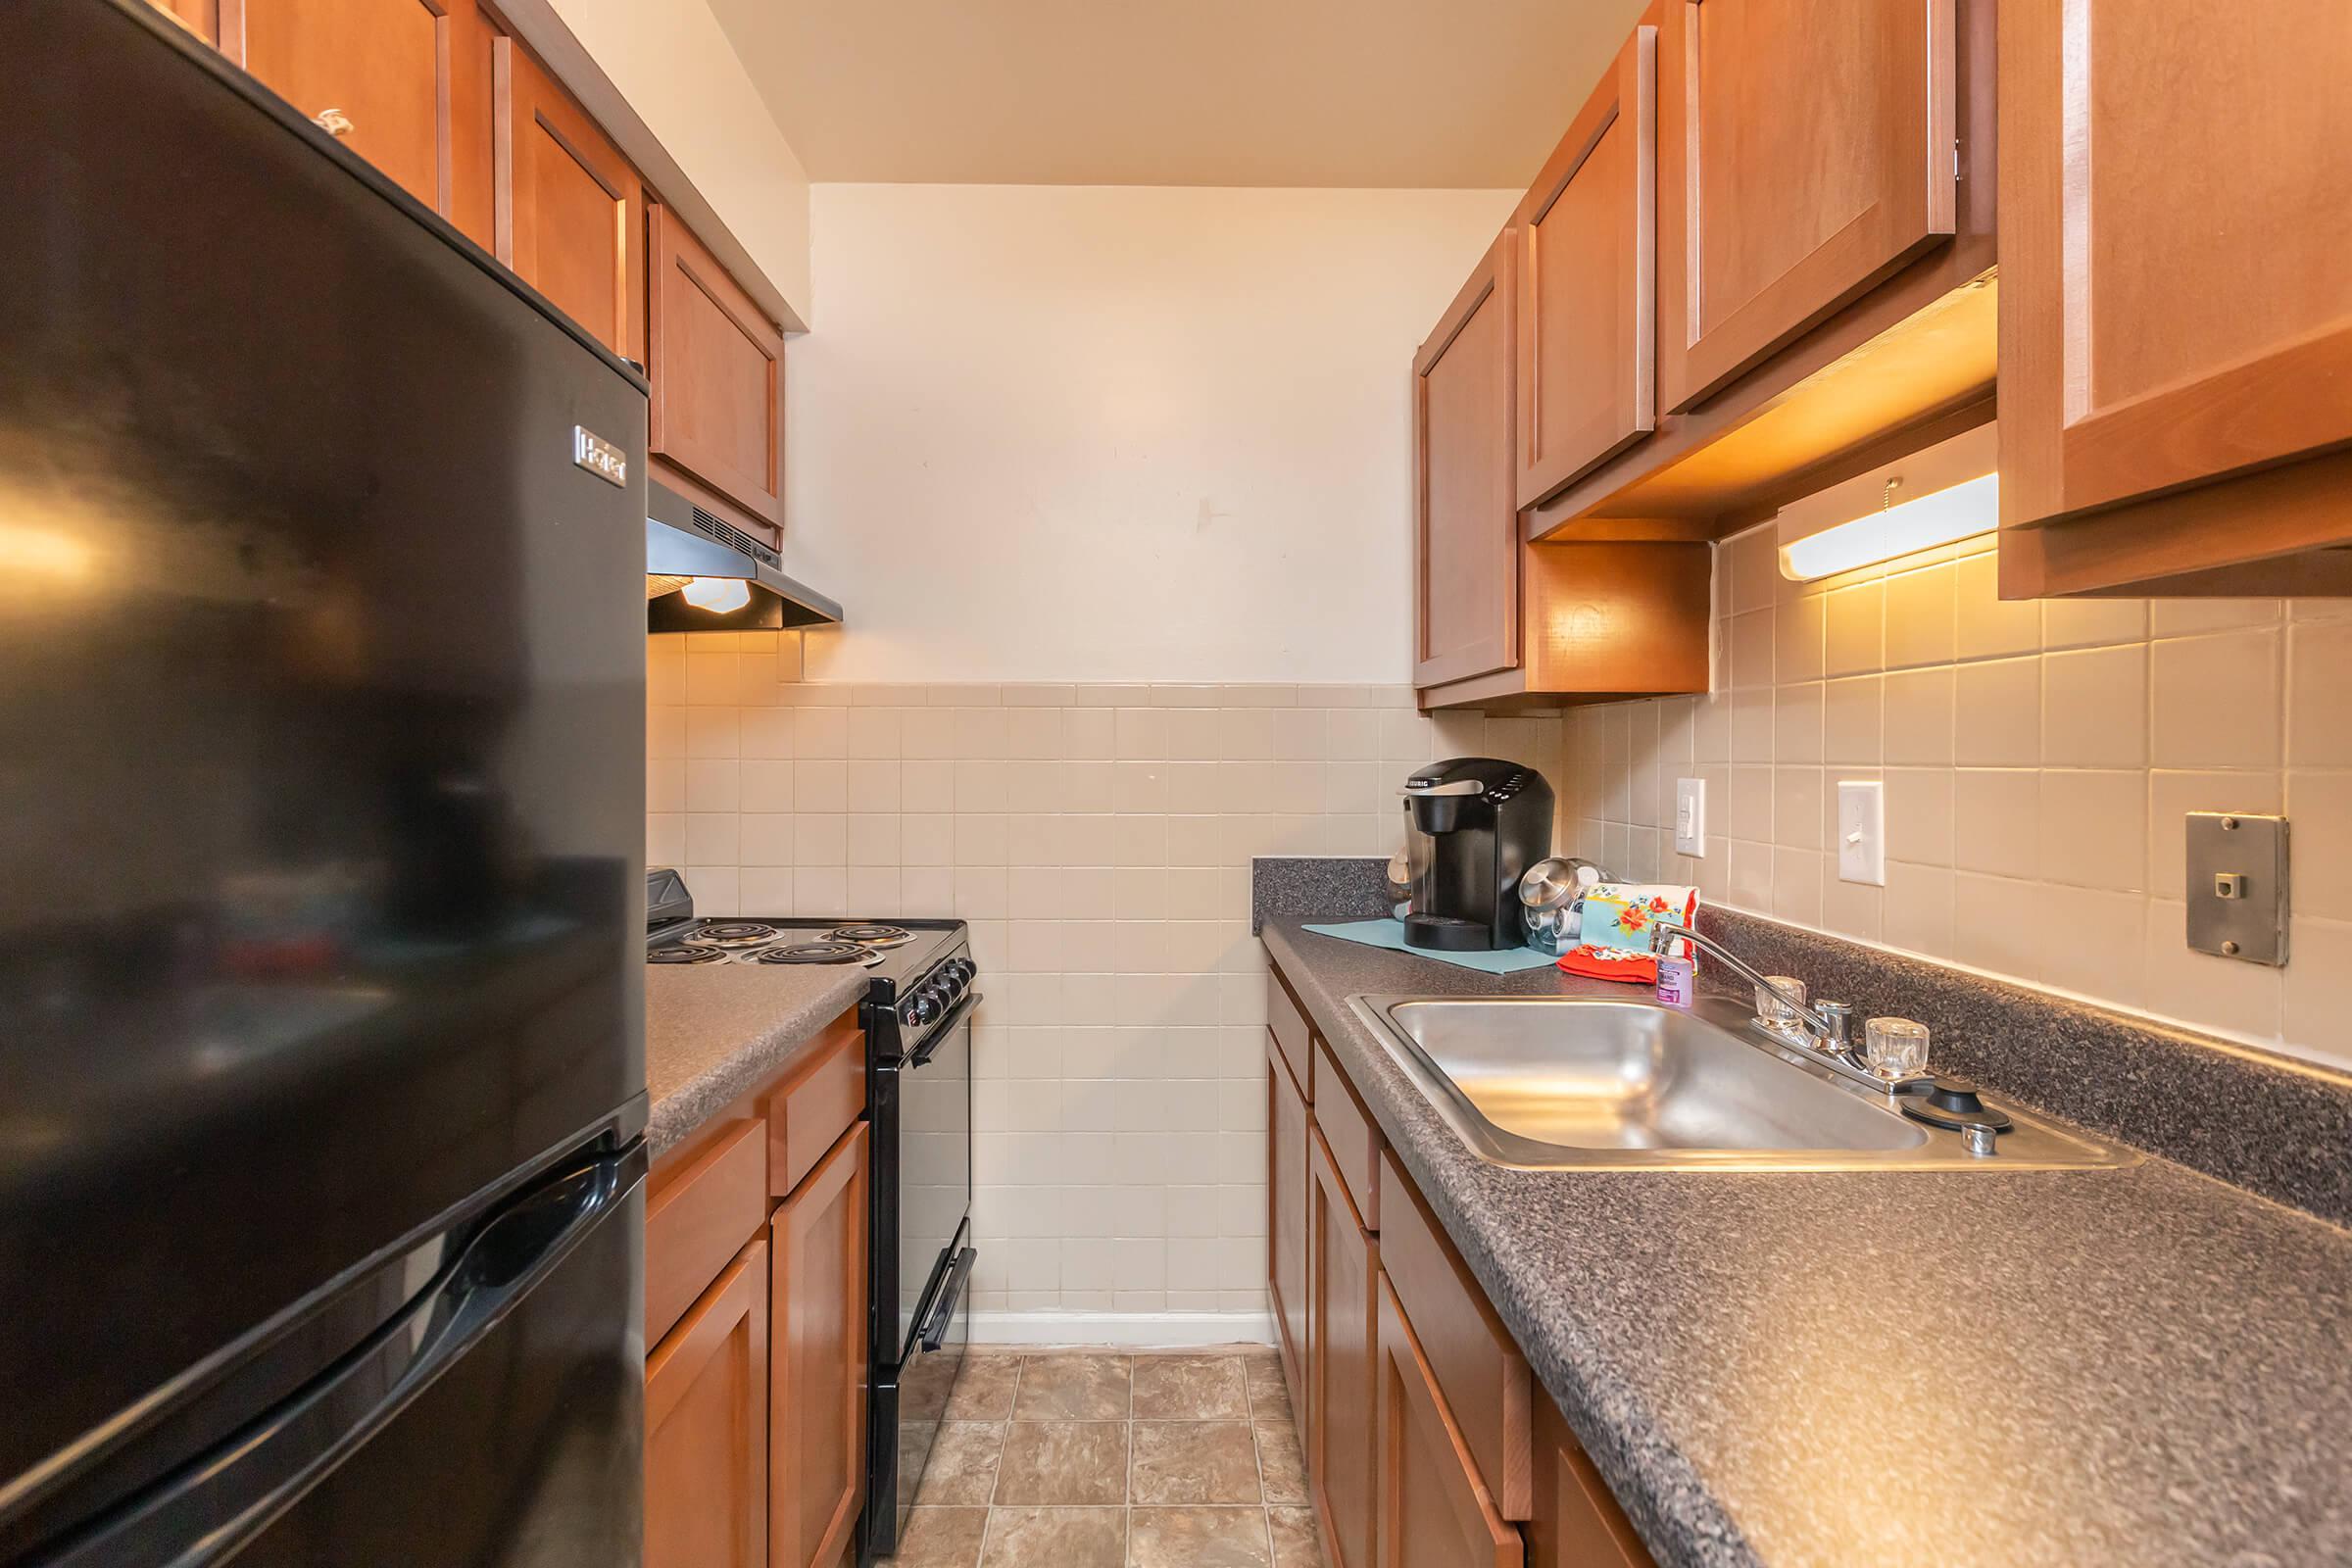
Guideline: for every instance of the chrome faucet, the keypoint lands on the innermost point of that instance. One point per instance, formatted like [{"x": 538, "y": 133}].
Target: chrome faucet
[{"x": 1827, "y": 1025}]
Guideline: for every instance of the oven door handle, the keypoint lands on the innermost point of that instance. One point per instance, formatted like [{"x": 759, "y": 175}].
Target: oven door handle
[
  {"x": 951, "y": 1290},
  {"x": 946, "y": 1027}
]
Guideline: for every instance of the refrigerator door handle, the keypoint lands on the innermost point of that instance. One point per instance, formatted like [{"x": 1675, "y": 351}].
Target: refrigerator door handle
[{"x": 219, "y": 1501}]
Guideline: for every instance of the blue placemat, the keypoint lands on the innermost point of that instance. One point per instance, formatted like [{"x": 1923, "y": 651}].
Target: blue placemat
[{"x": 1390, "y": 934}]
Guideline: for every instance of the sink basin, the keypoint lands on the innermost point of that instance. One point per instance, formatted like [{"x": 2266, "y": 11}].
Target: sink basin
[{"x": 1560, "y": 1083}]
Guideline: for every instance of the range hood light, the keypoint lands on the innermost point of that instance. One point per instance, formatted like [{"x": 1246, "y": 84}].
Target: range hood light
[{"x": 718, "y": 595}]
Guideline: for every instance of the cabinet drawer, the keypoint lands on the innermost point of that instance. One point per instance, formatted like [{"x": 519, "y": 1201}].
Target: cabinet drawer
[
  {"x": 697, "y": 1215},
  {"x": 1470, "y": 1353},
  {"x": 1287, "y": 1020},
  {"x": 1354, "y": 1137},
  {"x": 815, "y": 1103}
]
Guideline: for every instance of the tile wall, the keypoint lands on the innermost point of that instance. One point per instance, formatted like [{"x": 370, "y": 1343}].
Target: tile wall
[
  {"x": 2039, "y": 758},
  {"x": 1098, "y": 838}
]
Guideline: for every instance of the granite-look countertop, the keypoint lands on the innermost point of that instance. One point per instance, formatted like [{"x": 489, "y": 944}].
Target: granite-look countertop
[
  {"x": 713, "y": 1031},
  {"x": 2141, "y": 1366}
]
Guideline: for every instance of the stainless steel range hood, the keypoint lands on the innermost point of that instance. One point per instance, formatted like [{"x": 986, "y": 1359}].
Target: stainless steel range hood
[{"x": 690, "y": 551}]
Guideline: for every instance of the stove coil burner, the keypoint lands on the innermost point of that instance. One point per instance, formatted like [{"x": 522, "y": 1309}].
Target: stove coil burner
[
  {"x": 871, "y": 936},
  {"x": 733, "y": 933},
  {"x": 687, "y": 953},
  {"x": 819, "y": 953}
]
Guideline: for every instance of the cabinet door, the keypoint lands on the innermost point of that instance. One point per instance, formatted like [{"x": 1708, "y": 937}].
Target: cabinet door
[
  {"x": 1466, "y": 524},
  {"x": 1286, "y": 1218},
  {"x": 1342, "y": 1264},
  {"x": 706, "y": 1427},
  {"x": 1805, "y": 150},
  {"x": 718, "y": 368},
  {"x": 1577, "y": 1522},
  {"x": 1434, "y": 1511},
  {"x": 200, "y": 17},
  {"x": 574, "y": 221},
  {"x": 401, "y": 82},
  {"x": 1588, "y": 280},
  {"x": 817, "y": 1404},
  {"x": 2176, "y": 297}
]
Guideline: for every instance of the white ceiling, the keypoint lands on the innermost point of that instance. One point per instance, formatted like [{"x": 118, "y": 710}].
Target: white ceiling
[{"x": 1176, "y": 92}]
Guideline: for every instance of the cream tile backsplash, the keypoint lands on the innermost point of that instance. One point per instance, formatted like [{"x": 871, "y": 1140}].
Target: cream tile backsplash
[
  {"x": 2039, "y": 760},
  {"x": 1099, "y": 839}
]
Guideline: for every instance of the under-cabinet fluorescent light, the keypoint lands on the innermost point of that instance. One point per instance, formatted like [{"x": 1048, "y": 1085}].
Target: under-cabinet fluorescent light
[
  {"x": 1935, "y": 496},
  {"x": 1972, "y": 506}
]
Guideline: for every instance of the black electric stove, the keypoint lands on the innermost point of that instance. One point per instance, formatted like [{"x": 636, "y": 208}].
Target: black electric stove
[{"x": 917, "y": 1015}]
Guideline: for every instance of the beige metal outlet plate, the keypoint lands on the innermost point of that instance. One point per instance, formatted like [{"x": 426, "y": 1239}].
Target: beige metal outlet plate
[{"x": 2237, "y": 886}]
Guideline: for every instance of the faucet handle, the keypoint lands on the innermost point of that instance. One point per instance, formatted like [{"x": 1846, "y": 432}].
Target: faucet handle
[{"x": 1840, "y": 1018}]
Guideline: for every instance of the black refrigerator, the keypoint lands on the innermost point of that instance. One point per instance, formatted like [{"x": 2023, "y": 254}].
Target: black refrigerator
[{"x": 322, "y": 823}]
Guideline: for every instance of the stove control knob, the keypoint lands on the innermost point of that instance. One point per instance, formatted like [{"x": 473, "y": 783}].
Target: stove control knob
[
  {"x": 951, "y": 983},
  {"x": 906, "y": 1013},
  {"x": 925, "y": 1005}
]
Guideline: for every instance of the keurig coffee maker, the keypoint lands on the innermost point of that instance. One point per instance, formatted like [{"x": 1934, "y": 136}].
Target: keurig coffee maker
[{"x": 1472, "y": 826}]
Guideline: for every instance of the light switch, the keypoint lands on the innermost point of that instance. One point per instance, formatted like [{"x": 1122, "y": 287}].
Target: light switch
[
  {"x": 1862, "y": 831},
  {"x": 1690, "y": 816}
]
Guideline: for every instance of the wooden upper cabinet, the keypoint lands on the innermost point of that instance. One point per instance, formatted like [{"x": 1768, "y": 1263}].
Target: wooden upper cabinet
[
  {"x": 1588, "y": 280},
  {"x": 706, "y": 1427},
  {"x": 200, "y": 17},
  {"x": 573, "y": 226},
  {"x": 818, "y": 1398},
  {"x": 2176, "y": 294},
  {"x": 718, "y": 368},
  {"x": 1466, "y": 521},
  {"x": 404, "y": 84},
  {"x": 1805, "y": 151}
]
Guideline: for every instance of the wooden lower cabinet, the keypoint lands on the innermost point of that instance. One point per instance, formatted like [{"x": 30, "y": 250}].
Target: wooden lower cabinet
[
  {"x": 817, "y": 1359},
  {"x": 1427, "y": 1443},
  {"x": 754, "y": 1394},
  {"x": 1577, "y": 1523},
  {"x": 1435, "y": 1512},
  {"x": 706, "y": 1427},
  {"x": 1286, "y": 1219},
  {"x": 1344, "y": 1264}
]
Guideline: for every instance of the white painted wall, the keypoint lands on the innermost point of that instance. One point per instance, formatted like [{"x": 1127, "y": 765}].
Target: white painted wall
[
  {"x": 1087, "y": 433},
  {"x": 675, "y": 66}
]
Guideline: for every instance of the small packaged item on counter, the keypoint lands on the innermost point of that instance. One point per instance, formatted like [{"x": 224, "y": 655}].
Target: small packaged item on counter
[{"x": 1678, "y": 977}]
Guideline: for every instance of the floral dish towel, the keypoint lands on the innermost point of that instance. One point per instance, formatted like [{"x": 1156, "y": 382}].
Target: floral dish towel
[{"x": 1619, "y": 918}]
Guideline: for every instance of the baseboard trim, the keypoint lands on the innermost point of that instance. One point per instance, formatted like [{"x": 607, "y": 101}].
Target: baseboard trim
[{"x": 1136, "y": 1329}]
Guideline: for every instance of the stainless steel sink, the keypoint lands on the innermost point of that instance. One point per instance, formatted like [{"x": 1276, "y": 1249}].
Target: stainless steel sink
[{"x": 1559, "y": 1083}]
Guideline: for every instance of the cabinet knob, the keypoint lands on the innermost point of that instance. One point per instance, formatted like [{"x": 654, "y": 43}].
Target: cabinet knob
[{"x": 335, "y": 121}]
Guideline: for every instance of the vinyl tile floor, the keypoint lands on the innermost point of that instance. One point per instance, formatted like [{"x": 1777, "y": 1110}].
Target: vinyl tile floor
[{"x": 1107, "y": 1459}]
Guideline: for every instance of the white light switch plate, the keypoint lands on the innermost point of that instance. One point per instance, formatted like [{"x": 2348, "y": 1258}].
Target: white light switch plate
[
  {"x": 1690, "y": 816},
  {"x": 1862, "y": 832}
]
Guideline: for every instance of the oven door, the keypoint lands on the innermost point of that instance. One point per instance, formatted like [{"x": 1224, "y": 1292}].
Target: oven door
[{"x": 933, "y": 1112}]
